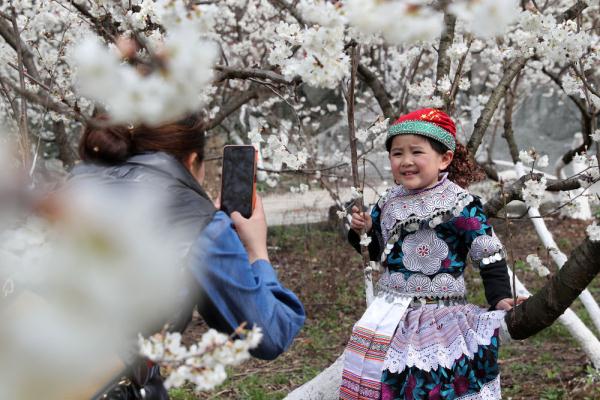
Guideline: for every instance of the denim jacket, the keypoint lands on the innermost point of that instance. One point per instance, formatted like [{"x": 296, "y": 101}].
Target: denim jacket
[{"x": 230, "y": 289}]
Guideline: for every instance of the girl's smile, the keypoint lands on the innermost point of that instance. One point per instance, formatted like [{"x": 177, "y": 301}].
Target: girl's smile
[{"x": 415, "y": 164}]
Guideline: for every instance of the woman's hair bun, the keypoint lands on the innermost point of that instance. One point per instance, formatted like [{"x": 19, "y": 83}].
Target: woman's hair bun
[{"x": 105, "y": 145}]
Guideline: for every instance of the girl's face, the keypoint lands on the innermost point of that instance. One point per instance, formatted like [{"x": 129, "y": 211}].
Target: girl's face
[{"x": 415, "y": 164}]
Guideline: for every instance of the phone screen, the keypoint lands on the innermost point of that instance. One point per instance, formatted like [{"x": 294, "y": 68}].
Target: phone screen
[{"x": 238, "y": 179}]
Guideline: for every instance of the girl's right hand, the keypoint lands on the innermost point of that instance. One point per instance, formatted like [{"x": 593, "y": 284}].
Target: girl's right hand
[{"x": 361, "y": 221}]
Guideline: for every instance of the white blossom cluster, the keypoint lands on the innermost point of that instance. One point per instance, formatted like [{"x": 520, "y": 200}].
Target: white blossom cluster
[
  {"x": 278, "y": 153},
  {"x": 320, "y": 59},
  {"x": 423, "y": 90},
  {"x": 537, "y": 265},
  {"x": 181, "y": 85},
  {"x": 399, "y": 22},
  {"x": 203, "y": 363},
  {"x": 376, "y": 132},
  {"x": 556, "y": 43},
  {"x": 486, "y": 18},
  {"x": 365, "y": 239},
  {"x": 300, "y": 189},
  {"x": 533, "y": 158},
  {"x": 533, "y": 192},
  {"x": 591, "y": 174},
  {"x": 90, "y": 277},
  {"x": 569, "y": 207},
  {"x": 593, "y": 232}
]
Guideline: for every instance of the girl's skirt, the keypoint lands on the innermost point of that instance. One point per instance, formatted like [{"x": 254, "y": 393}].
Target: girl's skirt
[{"x": 404, "y": 350}]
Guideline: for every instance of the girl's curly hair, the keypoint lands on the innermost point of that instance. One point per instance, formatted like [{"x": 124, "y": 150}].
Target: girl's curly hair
[{"x": 462, "y": 170}]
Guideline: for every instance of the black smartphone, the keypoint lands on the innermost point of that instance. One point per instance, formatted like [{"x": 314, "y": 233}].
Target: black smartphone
[{"x": 238, "y": 180}]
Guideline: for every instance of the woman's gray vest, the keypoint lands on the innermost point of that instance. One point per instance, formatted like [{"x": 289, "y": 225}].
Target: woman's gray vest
[{"x": 189, "y": 209}]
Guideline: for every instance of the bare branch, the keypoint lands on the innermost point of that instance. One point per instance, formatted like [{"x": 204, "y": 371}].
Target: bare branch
[
  {"x": 15, "y": 42},
  {"x": 451, "y": 97},
  {"x": 443, "y": 63},
  {"x": 492, "y": 104},
  {"x": 30, "y": 77},
  {"x": 24, "y": 139},
  {"x": 104, "y": 26},
  {"x": 573, "y": 11},
  {"x": 541, "y": 309},
  {"x": 230, "y": 108},
  {"x": 378, "y": 89},
  {"x": 509, "y": 102}
]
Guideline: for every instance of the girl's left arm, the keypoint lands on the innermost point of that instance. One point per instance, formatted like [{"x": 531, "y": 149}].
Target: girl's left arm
[{"x": 487, "y": 254}]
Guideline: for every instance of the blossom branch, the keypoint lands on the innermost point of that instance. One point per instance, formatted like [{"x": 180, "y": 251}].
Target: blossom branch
[
  {"x": 585, "y": 81},
  {"x": 451, "y": 97},
  {"x": 45, "y": 101},
  {"x": 514, "y": 191},
  {"x": 247, "y": 73}
]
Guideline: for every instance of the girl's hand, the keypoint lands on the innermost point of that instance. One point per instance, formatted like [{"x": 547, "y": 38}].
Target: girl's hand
[
  {"x": 508, "y": 303},
  {"x": 360, "y": 221},
  {"x": 253, "y": 231}
]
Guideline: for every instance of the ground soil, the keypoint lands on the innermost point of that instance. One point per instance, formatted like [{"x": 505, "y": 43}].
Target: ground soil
[{"x": 316, "y": 263}]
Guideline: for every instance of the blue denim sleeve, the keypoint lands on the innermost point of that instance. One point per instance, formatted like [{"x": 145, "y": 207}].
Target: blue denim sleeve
[{"x": 244, "y": 292}]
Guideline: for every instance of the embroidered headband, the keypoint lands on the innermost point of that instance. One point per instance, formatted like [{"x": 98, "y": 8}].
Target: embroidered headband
[{"x": 429, "y": 122}]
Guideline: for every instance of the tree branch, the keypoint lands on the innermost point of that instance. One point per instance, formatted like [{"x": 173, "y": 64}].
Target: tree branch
[
  {"x": 104, "y": 26},
  {"x": 45, "y": 101},
  {"x": 492, "y": 104},
  {"x": 509, "y": 102},
  {"x": 370, "y": 79},
  {"x": 443, "y": 64},
  {"x": 15, "y": 42},
  {"x": 543, "y": 308},
  {"x": 514, "y": 191},
  {"x": 230, "y": 108},
  {"x": 247, "y": 73},
  {"x": 573, "y": 11},
  {"x": 65, "y": 152},
  {"x": 451, "y": 97},
  {"x": 281, "y": 4}
]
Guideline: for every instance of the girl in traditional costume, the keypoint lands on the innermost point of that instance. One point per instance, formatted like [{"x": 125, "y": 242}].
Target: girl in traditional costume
[{"x": 419, "y": 339}]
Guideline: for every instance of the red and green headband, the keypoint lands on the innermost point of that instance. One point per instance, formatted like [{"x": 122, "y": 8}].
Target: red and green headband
[{"x": 428, "y": 122}]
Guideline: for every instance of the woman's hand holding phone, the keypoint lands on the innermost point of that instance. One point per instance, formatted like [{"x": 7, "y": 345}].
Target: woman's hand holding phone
[{"x": 253, "y": 231}]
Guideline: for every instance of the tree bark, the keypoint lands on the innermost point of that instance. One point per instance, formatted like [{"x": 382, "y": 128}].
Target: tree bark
[
  {"x": 65, "y": 152},
  {"x": 544, "y": 307},
  {"x": 443, "y": 62}
]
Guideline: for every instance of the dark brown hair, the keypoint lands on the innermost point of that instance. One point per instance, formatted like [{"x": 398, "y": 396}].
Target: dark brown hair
[
  {"x": 462, "y": 170},
  {"x": 115, "y": 144}
]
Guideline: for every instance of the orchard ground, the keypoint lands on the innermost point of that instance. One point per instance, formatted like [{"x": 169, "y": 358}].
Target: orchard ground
[{"x": 316, "y": 262}]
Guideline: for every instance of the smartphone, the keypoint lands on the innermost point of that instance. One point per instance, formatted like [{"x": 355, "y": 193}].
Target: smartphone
[{"x": 238, "y": 180}]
